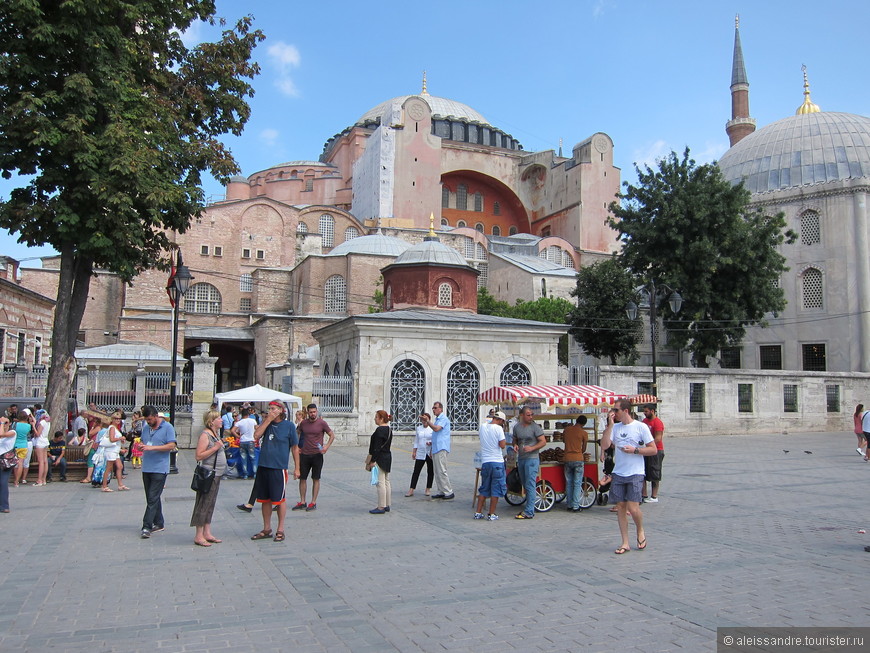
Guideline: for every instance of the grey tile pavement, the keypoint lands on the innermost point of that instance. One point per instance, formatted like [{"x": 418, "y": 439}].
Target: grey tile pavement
[{"x": 745, "y": 534}]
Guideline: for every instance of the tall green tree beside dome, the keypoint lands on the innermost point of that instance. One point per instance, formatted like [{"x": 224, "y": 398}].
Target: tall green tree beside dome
[
  {"x": 685, "y": 226},
  {"x": 112, "y": 120}
]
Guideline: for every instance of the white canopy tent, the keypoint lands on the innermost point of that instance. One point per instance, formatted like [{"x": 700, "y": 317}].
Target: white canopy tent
[{"x": 257, "y": 393}]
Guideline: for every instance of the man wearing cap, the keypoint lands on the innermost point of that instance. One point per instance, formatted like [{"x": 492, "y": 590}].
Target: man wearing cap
[
  {"x": 277, "y": 436},
  {"x": 492, "y": 477}
]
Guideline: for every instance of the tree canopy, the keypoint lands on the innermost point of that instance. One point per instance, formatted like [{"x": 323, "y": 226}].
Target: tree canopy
[
  {"x": 598, "y": 321},
  {"x": 112, "y": 119},
  {"x": 685, "y": 226}
]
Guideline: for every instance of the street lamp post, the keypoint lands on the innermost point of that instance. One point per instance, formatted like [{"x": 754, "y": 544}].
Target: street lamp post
[
  {"x": 675, "y": 301},
  {"x": 178, "y": 285}
]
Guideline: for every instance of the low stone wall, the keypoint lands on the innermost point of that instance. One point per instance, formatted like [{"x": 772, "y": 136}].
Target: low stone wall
[{"x": 825, "y": 401}]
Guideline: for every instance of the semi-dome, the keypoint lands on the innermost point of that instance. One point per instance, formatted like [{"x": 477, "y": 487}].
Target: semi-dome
[
  {"x": 432, "y": 252},
  {"x": 441, "y": 108},
  {"x": 376, "y": 244},
  {"x": 805, "y": 149}
]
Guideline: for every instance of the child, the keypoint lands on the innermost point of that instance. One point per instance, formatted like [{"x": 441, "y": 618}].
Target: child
[{"x": 137, "y": 452}]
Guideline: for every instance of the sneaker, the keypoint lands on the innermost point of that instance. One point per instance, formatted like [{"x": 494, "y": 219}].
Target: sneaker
[
  {"x": 478, "y": 515},
  {"x": 310, "y": 507},
  {"x": 299, "y": 506},
  {"x": 387, "y": 509},
  {"x": 157, "y": 529},
  {"x": 145, "y": 534},
  {"x": 492, "y": 518},
  {"x": 437, "y": 496},
  {"x": 651, "y": 500},
  {"x": 860, "y": 453},
  {"x": 447, "y": 497}
]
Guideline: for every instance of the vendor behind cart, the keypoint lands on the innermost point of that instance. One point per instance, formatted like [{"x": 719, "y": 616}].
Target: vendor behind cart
[{"x": 529, "y": 438}]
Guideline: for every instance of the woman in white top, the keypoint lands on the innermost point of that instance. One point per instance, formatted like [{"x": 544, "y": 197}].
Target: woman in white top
[
  {"x": 7, "y": 443},
  {"x": 422, "y": 454},
  {"x": 110, "y": 443},
  {"x": 40, "y": 447}
]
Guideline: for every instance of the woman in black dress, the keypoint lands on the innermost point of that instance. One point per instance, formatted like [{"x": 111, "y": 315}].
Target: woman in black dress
[{"x": 379, "y": 454}]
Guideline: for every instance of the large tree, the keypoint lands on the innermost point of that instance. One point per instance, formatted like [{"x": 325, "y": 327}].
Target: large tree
[
  {"x": 685, "y": 226},
  {"x": 112, "y": 119},
  {"x": 598, "y": 321}
]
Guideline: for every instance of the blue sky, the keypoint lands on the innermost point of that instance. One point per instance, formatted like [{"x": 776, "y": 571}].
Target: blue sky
[{"x": 652, "y": 75}]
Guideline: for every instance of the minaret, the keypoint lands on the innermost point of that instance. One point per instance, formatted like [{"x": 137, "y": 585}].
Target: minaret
[{"x": 741, "y": 124}]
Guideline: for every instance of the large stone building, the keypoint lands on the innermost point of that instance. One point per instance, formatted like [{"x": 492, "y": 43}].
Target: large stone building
[{"x": 814, "y": 167}]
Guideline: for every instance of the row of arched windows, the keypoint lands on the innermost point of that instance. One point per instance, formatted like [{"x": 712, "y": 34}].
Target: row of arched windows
[
  {"x": 461, "y": 200},
  {"x": 479, "y": 226},
  {"x": 408, "y": 389},
  {"x": 326, "y": 226}
]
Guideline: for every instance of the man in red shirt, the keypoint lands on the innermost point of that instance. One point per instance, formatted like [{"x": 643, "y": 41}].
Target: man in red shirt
[
  {"x": 311, "y": 450},
  {"x": 653, "y": 464}
]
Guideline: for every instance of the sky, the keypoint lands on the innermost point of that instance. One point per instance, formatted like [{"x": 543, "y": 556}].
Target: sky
[{"x": 654, "y": 76}]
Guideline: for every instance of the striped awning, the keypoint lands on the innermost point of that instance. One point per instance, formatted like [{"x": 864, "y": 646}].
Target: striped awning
[{"x": 567, "y": 396}]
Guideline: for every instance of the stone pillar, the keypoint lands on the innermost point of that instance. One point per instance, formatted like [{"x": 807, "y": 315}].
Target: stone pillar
[
  {"x": 139, "y": 377},
  {"x": 301, "y": 371},
  {"x": 203, "y": 388},
  {"x": 81, "y": 382},
  {"x": 862, "y": 242}
]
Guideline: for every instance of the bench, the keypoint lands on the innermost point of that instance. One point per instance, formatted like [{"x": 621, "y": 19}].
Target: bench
[{"x": 76, "y": 465}]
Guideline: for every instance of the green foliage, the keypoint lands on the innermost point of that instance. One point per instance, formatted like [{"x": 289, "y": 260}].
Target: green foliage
[
  {"x": 378, "y": 298},
  {"x": 685, "y": 226},
  {"x": 598, "y": 322},
  {"x": 489, "y": 305}
]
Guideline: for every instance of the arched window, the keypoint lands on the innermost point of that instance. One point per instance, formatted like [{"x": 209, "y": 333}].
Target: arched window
[
  {"x": 496, "y": 230},
  {"x": 515, "y": 374},
  {"x": 480, "y": 252},
  {"x": 479, "y": 227},
  {"x": 496, "y": 208},
  {"x": 327, "y": 229},
  {"x": 567, "y": 260},
  {"x": 543, "y": 287},
  {"x": 445, "y": 295},
  {"x": 478, "y": 202},
  {"x": 301, "y": 228},
  {"x": 444, "y": 222},
  {"x": 813, "y": 289},
  {"x": 483, "y": 268},
  {"x": 512, "y": 231},
  {"x": 463, "y": 385},
  {"x": 460, "y": 224},
  {"x": 335, "y": 370},
  {"x": 348, "y": 370},
  {"x": 325, "y": 373},
  {"x": 335, "y": 294},
  {"x": 202, "y": 298},
  {"x": 350, "y": 233},
  {"x": 246, "y": 283},
  {"x": 445, "y": 197},
  {"x": 462, "y": 197},
  {"x": 811, "y": 231},
  {"x": 407, "y": 387},
  {"x": 469, "y": 247}
]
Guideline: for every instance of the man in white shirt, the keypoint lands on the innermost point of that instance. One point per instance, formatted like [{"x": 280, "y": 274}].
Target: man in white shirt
[
  {"x": 492, "y": 477},
  {"x": 632, "y": 441},
  {"x": 244, "y": 430}
]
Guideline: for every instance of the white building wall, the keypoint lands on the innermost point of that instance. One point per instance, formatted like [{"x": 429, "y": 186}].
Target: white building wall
[{"x": 373, "y": 172}]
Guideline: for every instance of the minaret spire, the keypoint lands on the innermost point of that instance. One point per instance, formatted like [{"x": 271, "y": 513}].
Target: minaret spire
[
  {"x": 741, "y": 123},
  {"x": 424, "y": 91},
  {"x": 808, "y": 106}
]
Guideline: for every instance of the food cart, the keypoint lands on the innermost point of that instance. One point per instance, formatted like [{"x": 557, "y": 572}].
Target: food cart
[{"x": 557, "y": 406}]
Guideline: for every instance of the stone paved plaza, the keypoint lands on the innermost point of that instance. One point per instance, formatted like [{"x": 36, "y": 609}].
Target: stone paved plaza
[{"x": 745, "y": 534}]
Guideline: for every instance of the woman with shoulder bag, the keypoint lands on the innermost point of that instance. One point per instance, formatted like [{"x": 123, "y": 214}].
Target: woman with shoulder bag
[
  {"x": 380, "y": 455},
  {"x": 110, "y": 443},
  {"x": 210, "y": 454}
]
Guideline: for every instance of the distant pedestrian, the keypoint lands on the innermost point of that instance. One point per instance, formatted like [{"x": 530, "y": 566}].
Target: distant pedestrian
[
  {"x": 653, "y": 464},
  {"x": 576, "y": 439},
  {"x": 7, "y": 443},
  {"x": 422, "y": 455},
  {"x": 492, "y": 477},
  {"x": 210, "y": 454},
  {"x": 311, "y": 452},
  {"x": 440, "y": 451},
  {"x": 632, "y": 440},
  {"x": 858, "y": 420},
  {"x": 381, "y": 456},
  {"x": 158, "y": 439}
]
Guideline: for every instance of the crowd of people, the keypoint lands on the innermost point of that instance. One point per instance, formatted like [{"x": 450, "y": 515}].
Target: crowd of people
[{"x": 252, "y": 445}]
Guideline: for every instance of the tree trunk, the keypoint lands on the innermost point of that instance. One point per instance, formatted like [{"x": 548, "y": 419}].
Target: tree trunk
[{"x": 72, "y": 294}]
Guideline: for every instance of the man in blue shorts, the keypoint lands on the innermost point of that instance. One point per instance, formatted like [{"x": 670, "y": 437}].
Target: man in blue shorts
[
  {"x": 492, "y": 478},
  {"x": 632, "y": 441},
  {"x": 277, "y": 436}
]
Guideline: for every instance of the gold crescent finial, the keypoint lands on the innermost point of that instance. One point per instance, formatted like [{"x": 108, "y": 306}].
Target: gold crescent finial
[
  {"x": 432, "y": 224},
  {"x": 808, "y": 106},
  {"x": 425, "y": 91}
]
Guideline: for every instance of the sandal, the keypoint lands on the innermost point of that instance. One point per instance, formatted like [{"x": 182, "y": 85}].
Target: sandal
[
  {"x": 201, "y": 543},
  {"x": 279, "y": 536},
  {"x": 213, "y": 540},
  {"x": 107, "y": 489},
  {"x": 122, "y": 488},
  {"x": 82, "y": 481},
  {"x": 262, "y": 535},
  {"x": 641, "y": 544},
  {"x": 621, "y": 550}
]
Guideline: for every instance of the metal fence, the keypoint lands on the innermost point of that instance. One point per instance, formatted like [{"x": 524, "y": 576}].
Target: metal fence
[
  {"x": 334, "y": 393},
  {"x": 112, "y": 390},
  {"x": 7, "y": 384},
  {"x": 583, "y": 375},
  {"x": 157, "y": 391}
]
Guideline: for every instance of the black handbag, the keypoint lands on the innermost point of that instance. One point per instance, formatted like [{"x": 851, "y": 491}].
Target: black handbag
[{"x": 203, "y": 477}]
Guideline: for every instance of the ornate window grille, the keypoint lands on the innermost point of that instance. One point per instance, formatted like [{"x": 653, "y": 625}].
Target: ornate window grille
[
  {"x": 335, "y": 294},
  {"x": 445, "y": 295},
  {"x": 515, "y": 374},
  {"x": 811, "y": 232},
  {"x": 327, "y": 229},
  {"x": 463, "y": 386},
  {"x": 202, "y": 298},
  {"x": 407, "y": 388},
  {"x": 813, "y": 289}
]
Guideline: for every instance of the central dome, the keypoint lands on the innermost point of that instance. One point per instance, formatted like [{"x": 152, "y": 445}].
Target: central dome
[
  {"x": 800, "y": 150},
  {"x": 441, "y": 108}
]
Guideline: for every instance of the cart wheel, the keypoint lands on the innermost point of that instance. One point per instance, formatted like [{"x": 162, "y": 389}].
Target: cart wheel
[
  {"x": 515, "y": 498},
  {"x": 560, "y": 497},
  {"x": 545, "y": 497},
  {"x": 588, "y": 493}
]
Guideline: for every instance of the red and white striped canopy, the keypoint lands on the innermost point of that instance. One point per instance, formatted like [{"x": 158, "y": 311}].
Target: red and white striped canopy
[{"x": 567, "y": 396}]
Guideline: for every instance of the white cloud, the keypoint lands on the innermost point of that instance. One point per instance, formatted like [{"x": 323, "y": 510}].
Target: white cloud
[
  {"x": 269, "y": 137},
  {"x": 194, "y": 35},
  {"x": 599, "y": 7},
  {"x": 284, "y": 57},
  {"x": 650, "y": 154},
  {"x": 712, "y": 151}
]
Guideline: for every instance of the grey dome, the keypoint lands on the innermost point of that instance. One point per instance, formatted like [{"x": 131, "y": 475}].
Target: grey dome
[
  {"x": 431, "y": 251},
  {"x": 801, "y": 150},
  {"x": 376, "y": 244},
  {"x": 441, "y": 107}
]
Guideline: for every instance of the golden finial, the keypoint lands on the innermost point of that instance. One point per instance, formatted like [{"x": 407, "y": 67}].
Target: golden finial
[
  {"x": 431, "y": 224},
  {"x": 425, "y": 92},
  {"x": 808, "y": 106},
  {"x": 736, "y": 21}
]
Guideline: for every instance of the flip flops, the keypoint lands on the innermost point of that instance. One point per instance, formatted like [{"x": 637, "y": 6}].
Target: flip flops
[{"x": 621, "y": 550}]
